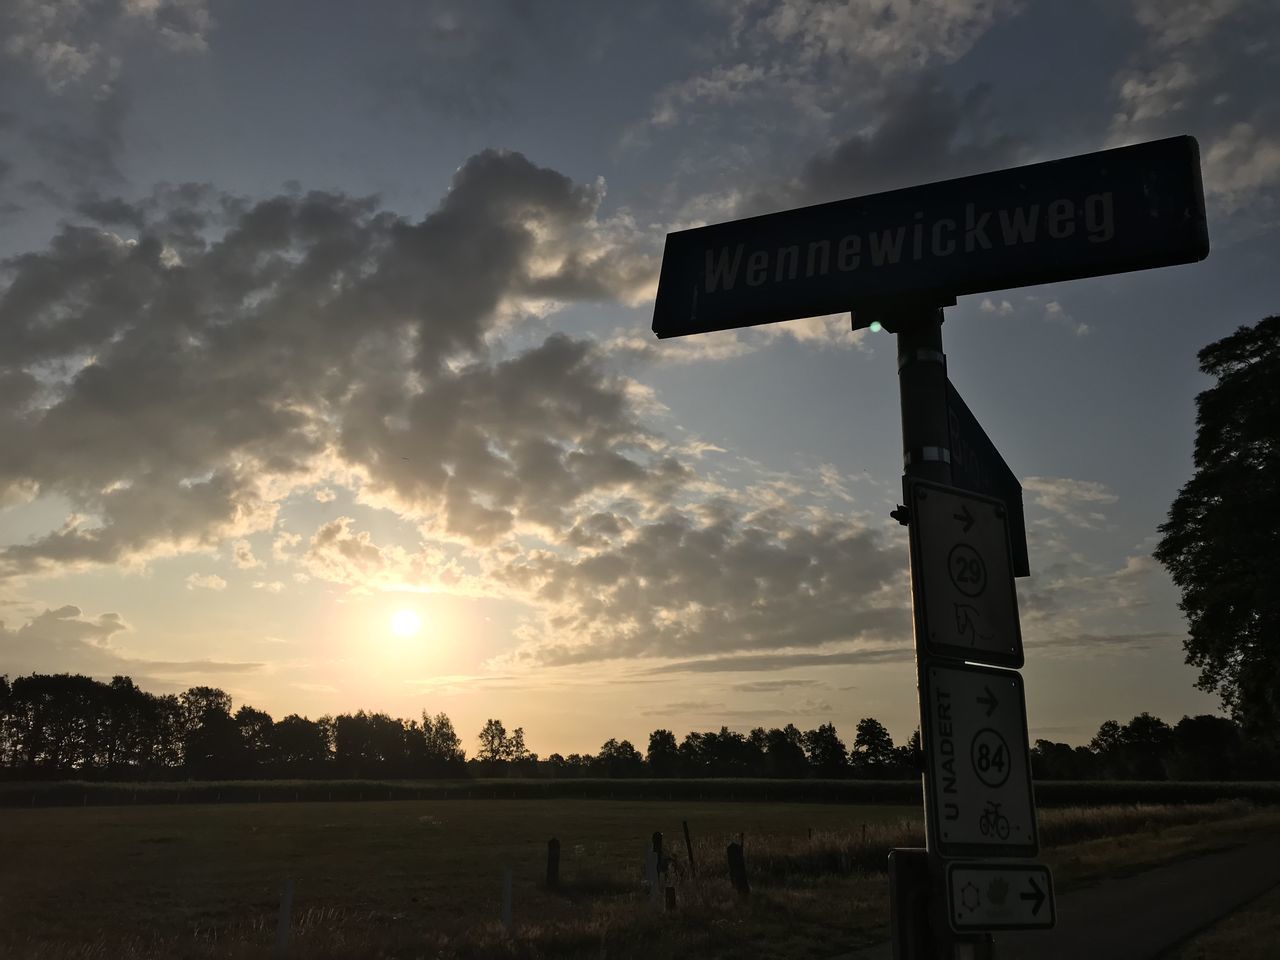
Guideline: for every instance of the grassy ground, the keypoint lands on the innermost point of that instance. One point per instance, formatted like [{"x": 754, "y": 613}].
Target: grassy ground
[
  {"x": 1248, "y": 934},
  {"x": 423, "y": 878}
]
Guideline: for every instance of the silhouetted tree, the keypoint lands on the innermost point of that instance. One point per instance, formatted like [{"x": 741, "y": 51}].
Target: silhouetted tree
[
  {"x": 516, "y": 751},
  {"x": 1219, "y": 542},
  {"x": 445, "y": 756},
  {"x": 493, "y": 741},
  {"x": 784, "y": 752},
  {"x": 254, "y": 727},
  {"x": 298, "y": 745},
  {"x": 1205, "y": 748},
  {"x": 618, "y": 758},
  {"x": 827, "y": 754},
  {"x": 663, "y": 755},
  {"x": 872, "y": 747},
  {"x": 907, "y": 758}
]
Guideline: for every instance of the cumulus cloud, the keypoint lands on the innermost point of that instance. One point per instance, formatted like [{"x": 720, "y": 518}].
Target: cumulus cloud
[
  {"x": 176, "y": 383},
  {"x": 714, "y": 579},
  {"x": 65, "y": 640}
]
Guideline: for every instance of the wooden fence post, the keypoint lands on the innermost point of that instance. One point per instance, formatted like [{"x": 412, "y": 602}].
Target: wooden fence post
[
  {"x": 282, "y": 922},
  {"x": 553, "y": 863},
  {"x": 738, "y": 870},
  {"x": 688, "y": 846}
]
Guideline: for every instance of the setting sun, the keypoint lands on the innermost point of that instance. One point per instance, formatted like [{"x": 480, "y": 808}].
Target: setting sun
[{"x": 405, "y": 623}]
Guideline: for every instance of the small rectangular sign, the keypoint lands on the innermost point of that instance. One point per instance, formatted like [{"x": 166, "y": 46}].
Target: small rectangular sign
[
  {"x": 999, "y": 896},
  {"x": 976, "y": 465},
  {"x": 1108, "y": 212},
  {"x": 966, "y": 606},
  {"x": 974, "y": 734}
]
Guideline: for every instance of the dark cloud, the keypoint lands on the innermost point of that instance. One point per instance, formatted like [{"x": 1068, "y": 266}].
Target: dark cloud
[{"x": 923, "y": 131}]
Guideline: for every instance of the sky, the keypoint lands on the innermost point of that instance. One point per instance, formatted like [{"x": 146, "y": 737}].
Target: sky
[{"x": 313, "y": 313}]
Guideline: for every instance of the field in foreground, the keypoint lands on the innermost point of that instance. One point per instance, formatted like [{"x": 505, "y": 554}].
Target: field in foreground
[{"x": 423, "y": 878}]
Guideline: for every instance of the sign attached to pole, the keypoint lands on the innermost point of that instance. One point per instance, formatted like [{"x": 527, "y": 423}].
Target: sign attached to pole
[
  {"x": 976, "y": 465},
  {"x": 966, "y": 606},
  {"x": 1108, "y": 212},
  {"x": 974, "y": 728},
  {"x": 998, "y": 895}
]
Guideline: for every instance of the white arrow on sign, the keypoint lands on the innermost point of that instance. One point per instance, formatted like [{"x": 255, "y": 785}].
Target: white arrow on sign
[{"x": 999, "y": 896}]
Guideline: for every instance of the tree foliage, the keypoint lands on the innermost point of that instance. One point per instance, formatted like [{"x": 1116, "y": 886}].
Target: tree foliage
[{"x": 1220, "y": 542}]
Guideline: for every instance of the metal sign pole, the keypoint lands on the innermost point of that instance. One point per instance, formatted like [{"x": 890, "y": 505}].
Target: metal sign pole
[{"x": 922, "y": 384}]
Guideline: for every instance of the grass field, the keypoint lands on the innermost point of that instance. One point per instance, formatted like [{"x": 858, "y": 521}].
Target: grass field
[
  {"x": 423, "y": 878},
  {"x": 1050, "y": 793}
]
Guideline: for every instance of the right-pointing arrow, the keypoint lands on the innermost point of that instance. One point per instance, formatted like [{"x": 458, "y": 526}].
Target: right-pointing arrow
[
  {"x": 1036, "y": 894},
  {"x": 989, "y": 701}
]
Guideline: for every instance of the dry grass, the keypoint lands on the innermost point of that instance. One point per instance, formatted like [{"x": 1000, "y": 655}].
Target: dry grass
[
  {"x": 1251, "y": 933},
  {"x": 411, "y": 880}
]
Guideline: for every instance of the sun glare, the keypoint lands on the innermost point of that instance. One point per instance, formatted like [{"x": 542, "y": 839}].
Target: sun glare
[{"x": 405, "y": 623}]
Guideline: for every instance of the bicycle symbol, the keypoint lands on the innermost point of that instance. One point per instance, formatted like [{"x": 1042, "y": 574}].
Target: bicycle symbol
[{"x": 993, "y": 821}]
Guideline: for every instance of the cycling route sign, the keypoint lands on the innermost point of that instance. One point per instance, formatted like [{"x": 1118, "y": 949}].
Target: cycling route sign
[
  {"x": 999, "y": 896},
  {"x": 979, "y": 779},
  {"x": 966, "y": 606}
]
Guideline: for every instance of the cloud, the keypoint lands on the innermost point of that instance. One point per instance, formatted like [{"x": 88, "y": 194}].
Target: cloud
[
  {"x": 809, "y": 54},
  {"x": 746, "y": 663},
  {"x": 714, "y": 579},
  {"x": 66, "y": 43},
  {"x": 205, "y": 581},
  {"x": 923, "y": 132},
  {"x": 1207, "y": 68},
  {"x": 1094, "y": 644},
  {"x": 1073, "y": 500},
  {"x": 1054, "y": 312},
  {"x": 242, "y": 555},
  {"x": 177, "y": 384},
  {"x": 773, "y": 686},
  {"x": 63, "y": 640}
]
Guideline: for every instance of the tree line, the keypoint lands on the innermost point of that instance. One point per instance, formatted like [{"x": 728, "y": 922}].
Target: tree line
[{"x": 60, "y": 726}]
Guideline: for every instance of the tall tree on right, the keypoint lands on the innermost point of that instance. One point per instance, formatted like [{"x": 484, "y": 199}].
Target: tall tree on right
[{"x": 1221, "y": 542}]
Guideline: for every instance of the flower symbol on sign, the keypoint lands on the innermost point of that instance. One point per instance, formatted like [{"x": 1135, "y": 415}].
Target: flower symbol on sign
[
  {"x": 970, "y": 897},
  {"x": 998, "y": 890}
]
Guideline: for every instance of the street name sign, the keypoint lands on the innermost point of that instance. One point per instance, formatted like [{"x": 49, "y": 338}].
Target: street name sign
[
  {"x": 974, "y": 728},
  {"x": 976, "y": 465},
  {"x": 1130, "y": 208},
  {"x": 999, "y": 896},
  {"x": 966, "y": 606}
]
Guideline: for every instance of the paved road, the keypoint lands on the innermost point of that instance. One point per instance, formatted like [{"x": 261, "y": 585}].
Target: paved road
[{"x": 1142, "y": 916}]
